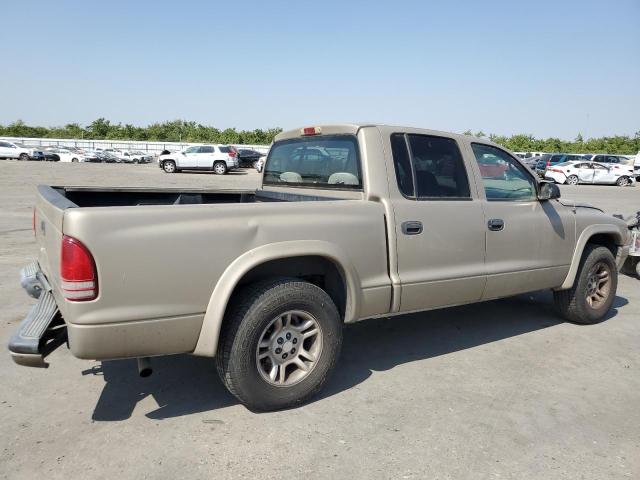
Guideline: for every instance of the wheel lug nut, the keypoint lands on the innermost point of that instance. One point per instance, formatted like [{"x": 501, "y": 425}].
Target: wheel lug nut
[
  {"x": 280, "y": 341},
  {"x": 293, "y": 350},
  {"x": 295, "y": 340},
  {"x": 278, "y": 350},
  {"x": 285, "y": 355},
  {"x": 288, "y": 336}
]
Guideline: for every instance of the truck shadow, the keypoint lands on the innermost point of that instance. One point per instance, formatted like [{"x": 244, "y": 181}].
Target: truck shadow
[{"x": 184, "y": 384}]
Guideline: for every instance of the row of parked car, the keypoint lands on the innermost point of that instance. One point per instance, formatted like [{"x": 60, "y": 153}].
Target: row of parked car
[
  {"x": 573, "y": 168},
  {"x": 56, "y": 153}
]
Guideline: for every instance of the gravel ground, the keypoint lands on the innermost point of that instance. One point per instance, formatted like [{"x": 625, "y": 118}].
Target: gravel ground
[{"x": 502, "y": 389}]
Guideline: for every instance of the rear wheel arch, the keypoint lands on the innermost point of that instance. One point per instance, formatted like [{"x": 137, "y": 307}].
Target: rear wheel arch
[{"x": 324, "y": 265}]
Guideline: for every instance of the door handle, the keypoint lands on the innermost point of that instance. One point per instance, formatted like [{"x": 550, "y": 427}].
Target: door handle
[
  {"x": 495, "y": 224},
  {"x": 412, "y": 228}
]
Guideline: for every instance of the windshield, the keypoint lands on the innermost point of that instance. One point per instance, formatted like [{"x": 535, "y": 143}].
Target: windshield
[{"x": 329, "y": 161}]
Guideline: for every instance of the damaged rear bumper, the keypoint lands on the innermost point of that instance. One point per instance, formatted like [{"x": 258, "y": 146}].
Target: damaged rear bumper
[{"x": 42, "y": 330}]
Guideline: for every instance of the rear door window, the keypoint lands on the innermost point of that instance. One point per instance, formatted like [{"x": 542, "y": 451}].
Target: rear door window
[
  {"x": 429, "y": 167},
  {"x": 438, "y": 167}
]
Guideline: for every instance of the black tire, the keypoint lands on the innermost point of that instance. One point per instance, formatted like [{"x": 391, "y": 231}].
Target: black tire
[
  {"x": 74, "y": 160},
  {"x": 169, "y": 166},
  {"x": 572, "y": 180},
  {"x": 572, "y": 304},
  {"x": 24, "y": 157},
  {"x": 622, "y": 181},
  {"x": 219, "y": 168},
  {"x": 250, "y": 312}
]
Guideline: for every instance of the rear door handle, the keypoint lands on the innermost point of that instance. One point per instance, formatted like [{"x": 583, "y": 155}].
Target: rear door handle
[
  {"x": 496, "y": 224},
  {"x": 412, "y": 228}
]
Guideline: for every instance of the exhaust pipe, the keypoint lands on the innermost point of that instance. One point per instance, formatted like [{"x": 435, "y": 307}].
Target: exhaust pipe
[{"x": 144, "y": 367}]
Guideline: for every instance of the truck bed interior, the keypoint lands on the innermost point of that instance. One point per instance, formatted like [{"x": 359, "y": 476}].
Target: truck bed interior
[
  {"x": 71, "y": 197},
  {"x": 93, "y": 197}
]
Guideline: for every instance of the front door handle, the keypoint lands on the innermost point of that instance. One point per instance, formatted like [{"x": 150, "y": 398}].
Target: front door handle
[
  {"x": 496, "y": 224},
  {"x": 412, "y": 228}
]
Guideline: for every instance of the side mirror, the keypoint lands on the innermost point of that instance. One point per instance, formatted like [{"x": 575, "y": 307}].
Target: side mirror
[{"x": 548, "y": 191}]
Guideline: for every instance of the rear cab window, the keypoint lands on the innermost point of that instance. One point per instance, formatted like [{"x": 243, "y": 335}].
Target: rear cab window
[{"x": 327, "y": 161}]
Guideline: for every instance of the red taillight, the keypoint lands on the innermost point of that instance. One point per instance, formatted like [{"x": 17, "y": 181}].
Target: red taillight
[
  {"x": 232, "y": 153},
  {"x": 548, "y": 163},
  {"x": 79, "y": 280}
]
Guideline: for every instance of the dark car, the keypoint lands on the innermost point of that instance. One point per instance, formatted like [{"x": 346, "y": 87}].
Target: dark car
[
  {"x": 107, "y": 157},
  {"x": 248, "y": 157},
  {"x": 44, "y": 156}
]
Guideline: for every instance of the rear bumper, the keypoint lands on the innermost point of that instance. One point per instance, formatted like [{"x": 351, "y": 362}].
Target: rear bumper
[{"x": 42, "y": 330}]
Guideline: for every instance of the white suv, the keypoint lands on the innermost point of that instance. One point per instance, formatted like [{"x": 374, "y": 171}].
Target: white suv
[
  {"x": 219, "y": 158},
  {"x": 11, "y": 150}
]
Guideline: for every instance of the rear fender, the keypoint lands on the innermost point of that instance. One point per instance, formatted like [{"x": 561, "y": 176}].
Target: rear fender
[{"x": 208, "y": 340}]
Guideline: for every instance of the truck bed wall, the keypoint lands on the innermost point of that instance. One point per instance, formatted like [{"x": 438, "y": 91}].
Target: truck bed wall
[{"x": 158, "y": 262}]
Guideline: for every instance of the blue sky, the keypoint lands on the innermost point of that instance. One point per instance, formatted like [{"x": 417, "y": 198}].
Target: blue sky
[{"x": 548, "y": 68}]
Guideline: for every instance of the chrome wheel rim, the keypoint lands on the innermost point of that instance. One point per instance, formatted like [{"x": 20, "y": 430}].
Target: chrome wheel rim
[
  {"x": 219, "y": 168},
  {"x": 572, "y": 180},
  {"x": 289, "y": 348},
  {"x": 598, "y": 285},
  {"x": 168, "y": 167}
]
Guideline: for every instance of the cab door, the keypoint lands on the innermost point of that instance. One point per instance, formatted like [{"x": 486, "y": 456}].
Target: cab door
[
  {"x": 439, "y": 222},
  {"x": 529, "y": 243}
]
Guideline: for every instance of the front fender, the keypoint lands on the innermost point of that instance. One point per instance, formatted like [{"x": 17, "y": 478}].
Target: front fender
[
  {"x": 586, "y": 234},
  {"x": 209, "y": 334}
]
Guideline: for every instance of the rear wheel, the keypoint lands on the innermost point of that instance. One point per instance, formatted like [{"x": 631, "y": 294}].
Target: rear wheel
[
  {"x": 622, "y": 181},
  {"x": 280, "y": 340},
  {"x": 572, "y": 180},
  {"x": 169, "y": 166},
  {"x": 220, "y": 168},
  {"x": 594, "y": 289},
  {"x": 74, "y": 160},
  {"x": 23, "y": 156}
]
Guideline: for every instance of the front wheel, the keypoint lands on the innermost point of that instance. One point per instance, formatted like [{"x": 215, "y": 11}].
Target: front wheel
[
  {"x": 74, "y": 160},
  {"x": 572, "y": 180},
  {"x": 280, "y": 340},
  {"x": 23, "y": 157},
  {"x": 169, "y": 166},
  {"x": 622, "y": 181},
  {"x": 220, "y": 168},
  {"x": 594, "y": 288}
]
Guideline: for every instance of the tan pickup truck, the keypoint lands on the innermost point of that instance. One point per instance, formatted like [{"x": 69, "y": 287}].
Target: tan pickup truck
[{"x": 351, "y": 222}]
